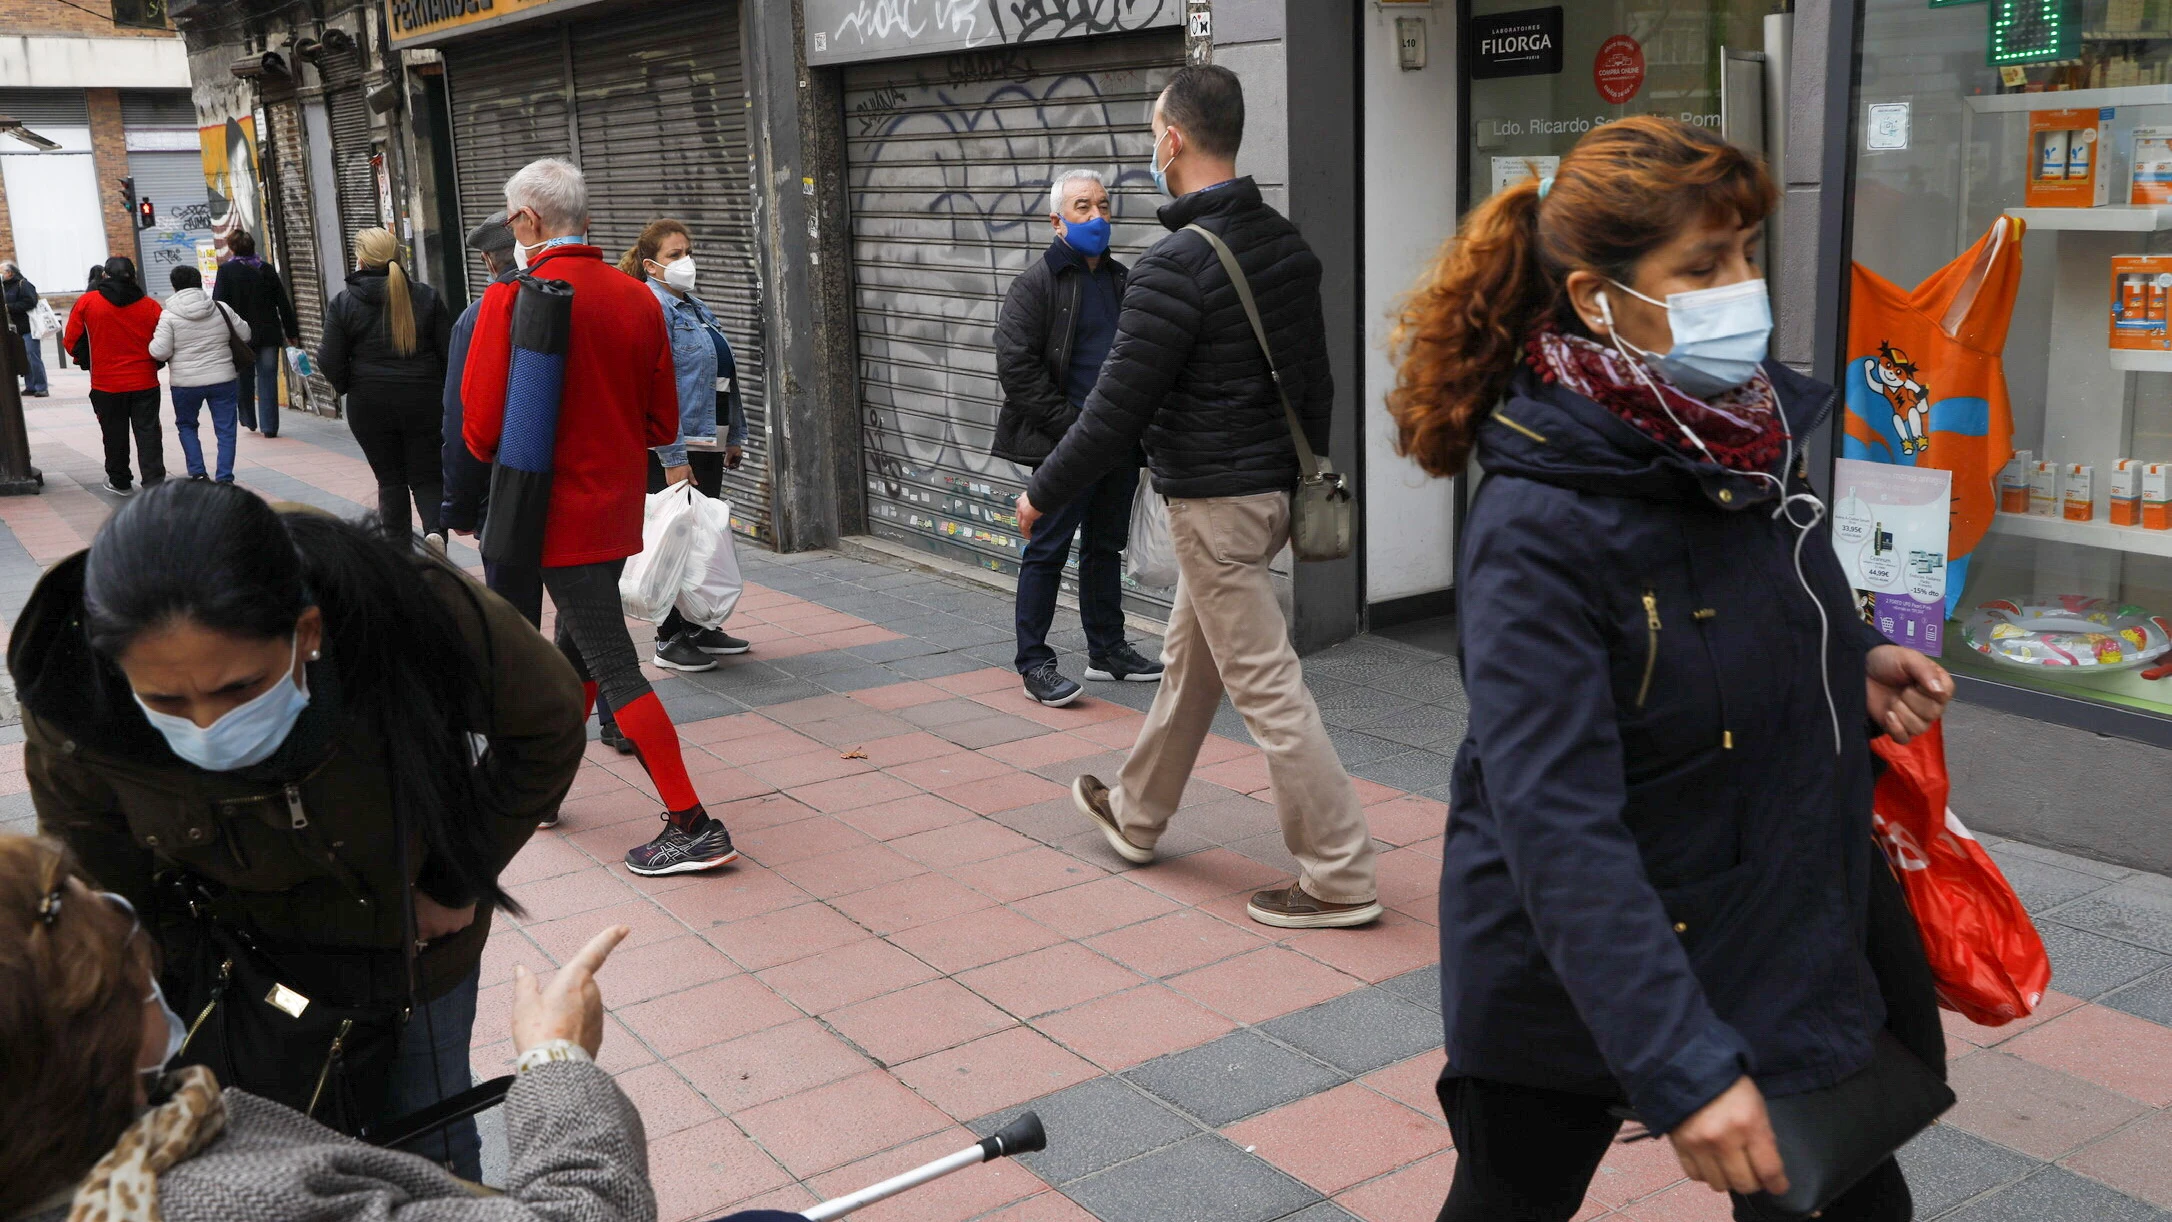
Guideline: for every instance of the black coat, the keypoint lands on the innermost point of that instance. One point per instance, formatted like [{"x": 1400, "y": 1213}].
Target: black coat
[
  {"x": 1186, "y": 374},
  {"x": 382, "y": 387},
  {"x": 1658, "y": 874},
  {"x": 253, "y": 291},
  {"x": 1034, "y": 336},
  {"x": 22, "y": 298}
]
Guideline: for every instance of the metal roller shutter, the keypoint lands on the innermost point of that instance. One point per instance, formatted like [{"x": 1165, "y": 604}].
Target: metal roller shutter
[
  {"x": 355, "y": 183},
  {"x": 949, "y": 185},
  {"x": 175, "y": 183},
  {"x": 157, "y": 108},
  {"x": 662, "y": 104},
  {"x": 59, "y": 107},
  {"x": 286, "y": 169},
  {"x": 509, "y": 108}
]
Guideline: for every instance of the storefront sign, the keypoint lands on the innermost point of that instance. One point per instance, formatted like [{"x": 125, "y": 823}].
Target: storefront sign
[
  {"x": 1526, "y": 43},
  {"x": 1508, "y": 171},
  {"x": 1890, "y": 531},
  {"x": 1618, "y": 71},
  {"x": 845, "y": 31},
  {"x": 416, "y": 22},
  {"x": 1885, "y": 128}
]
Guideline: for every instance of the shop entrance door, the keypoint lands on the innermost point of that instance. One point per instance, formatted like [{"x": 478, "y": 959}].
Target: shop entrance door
[{"x": 1540, "y": 78}]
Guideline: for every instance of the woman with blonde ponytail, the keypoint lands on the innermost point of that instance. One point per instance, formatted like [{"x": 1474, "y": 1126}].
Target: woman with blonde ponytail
[
  {"x": 1659, "y": 892},
  {"x": 384, "y": 348}
]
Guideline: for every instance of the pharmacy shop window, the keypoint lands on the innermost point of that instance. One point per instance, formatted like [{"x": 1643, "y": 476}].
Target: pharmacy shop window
[{"x": 2004, "y": 494}]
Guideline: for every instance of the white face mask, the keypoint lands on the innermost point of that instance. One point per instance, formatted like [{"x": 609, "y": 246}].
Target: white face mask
[
  {"x": 679, "y": 273},
  {"x": 1720, "y": 335},
  {"x": 247, "y": 734}
]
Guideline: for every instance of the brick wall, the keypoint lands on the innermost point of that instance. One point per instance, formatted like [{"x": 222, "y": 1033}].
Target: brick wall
[
  {"x": 109, "y": 152},
  {"x": 54, "y": 17}
]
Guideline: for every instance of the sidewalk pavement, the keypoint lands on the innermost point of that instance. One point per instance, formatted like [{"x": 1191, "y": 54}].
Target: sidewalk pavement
[{"x": 923, "y": 938}]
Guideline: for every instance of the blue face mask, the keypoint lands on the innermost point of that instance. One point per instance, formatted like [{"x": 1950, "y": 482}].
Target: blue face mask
[
  {"x": 1160, "y": 168},
  {"x": 246, "y": 735},
  {"x": 1089, "y": 238},
  {"x": 1720, "y": 336}
]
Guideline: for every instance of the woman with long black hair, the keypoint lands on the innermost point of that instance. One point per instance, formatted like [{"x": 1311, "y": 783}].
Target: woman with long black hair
[
  {"x": 287, "y": 732},
  {"x": 384, "y": 347}
]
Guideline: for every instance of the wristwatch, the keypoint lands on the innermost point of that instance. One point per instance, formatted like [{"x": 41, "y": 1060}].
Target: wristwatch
[{"x": 548, "y": 1051}]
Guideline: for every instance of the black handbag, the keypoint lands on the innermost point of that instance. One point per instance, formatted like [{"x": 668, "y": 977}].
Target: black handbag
[
  {"x": 236, "y": 347},
  {"x": 1831, "y": 1138}
]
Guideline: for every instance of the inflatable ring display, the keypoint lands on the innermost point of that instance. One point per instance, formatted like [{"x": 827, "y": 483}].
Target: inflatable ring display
[{"x": 2067, "y": 631}]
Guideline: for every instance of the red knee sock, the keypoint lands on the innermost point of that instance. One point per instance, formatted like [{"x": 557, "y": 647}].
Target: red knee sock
[
  {"x": 645, "y": 722},
  {"x": 588, "y": 700}
]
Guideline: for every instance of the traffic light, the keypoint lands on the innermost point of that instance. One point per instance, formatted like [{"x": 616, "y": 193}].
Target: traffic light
[
  {"x": 146, "y": 214},
  {"x": 128, "y": 192}
]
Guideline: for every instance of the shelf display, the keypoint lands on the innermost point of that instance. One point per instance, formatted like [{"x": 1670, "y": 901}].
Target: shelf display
[
  {"x": 2066, "y": 168},
  {"x": 2067, "y": 631}
]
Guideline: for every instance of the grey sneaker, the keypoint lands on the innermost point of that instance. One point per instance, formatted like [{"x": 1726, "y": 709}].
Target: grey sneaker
[
  {"x": 718, "y": 641},
  {"x": 680, "y": 653},
  {"x": 1092, "y": 799},
  {"x": 677, "y": 852},
  {"x": 1047, "y": 685}
]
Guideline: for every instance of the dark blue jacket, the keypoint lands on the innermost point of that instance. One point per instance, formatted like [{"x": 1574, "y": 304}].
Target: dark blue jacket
[
  {"x": 467, "y": 478},
  {"x": 1656, "y": 872}
]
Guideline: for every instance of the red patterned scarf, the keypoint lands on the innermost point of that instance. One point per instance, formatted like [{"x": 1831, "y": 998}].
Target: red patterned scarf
[{"x": 1742, "y": 428}]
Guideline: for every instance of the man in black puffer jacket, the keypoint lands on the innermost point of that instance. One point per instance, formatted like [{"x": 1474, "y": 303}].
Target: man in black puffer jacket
[{"x": 1187, "y": 376}]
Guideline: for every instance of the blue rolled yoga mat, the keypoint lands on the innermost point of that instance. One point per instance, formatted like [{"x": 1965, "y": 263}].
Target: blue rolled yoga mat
[{"x": 520, "y": 479}]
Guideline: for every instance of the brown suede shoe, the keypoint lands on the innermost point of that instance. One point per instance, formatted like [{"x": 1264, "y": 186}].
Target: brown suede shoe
[
  {"x": 1092, "y": 799},
  {"x": 1290, "y": 908}
]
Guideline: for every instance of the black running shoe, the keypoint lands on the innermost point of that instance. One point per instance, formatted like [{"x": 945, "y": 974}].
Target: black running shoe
[
  {"x": 680, "y": 653},
  {"x": 1123, "y": 665},
  {"x": 677, "y": 852},
  {"x": 718, "y": 641},
  {"x": 615, "y": 740},
  {"x": 1046, "y": 684}
]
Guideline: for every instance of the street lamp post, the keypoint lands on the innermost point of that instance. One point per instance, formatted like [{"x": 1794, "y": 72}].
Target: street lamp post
[{"x": 17, "y": 476}]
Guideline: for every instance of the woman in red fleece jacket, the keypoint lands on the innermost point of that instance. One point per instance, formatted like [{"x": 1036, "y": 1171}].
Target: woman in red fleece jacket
[
  {"x": 124, "y": 379},
  {"x": 620, "y": 398}
]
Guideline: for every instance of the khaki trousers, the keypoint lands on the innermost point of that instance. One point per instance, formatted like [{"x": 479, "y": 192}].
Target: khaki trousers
[{"x": 1227, "y": 631}]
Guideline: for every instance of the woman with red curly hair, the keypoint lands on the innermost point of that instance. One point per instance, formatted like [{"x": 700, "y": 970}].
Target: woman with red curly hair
[{"x": 1659, "y": 894}]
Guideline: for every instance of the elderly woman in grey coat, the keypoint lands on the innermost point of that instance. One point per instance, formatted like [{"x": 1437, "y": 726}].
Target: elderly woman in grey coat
[{"x": 99, "y": 1132}]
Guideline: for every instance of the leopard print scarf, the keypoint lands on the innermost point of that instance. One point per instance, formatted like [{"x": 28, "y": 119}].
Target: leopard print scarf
[{"x": 123, "y": 1186}]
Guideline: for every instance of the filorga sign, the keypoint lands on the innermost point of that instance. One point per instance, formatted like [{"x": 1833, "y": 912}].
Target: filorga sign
[{"x": 1523, "y": 43}]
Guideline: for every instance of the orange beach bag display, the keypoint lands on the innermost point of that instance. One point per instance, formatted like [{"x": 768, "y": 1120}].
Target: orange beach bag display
[{"x": 1925, "y": 385}]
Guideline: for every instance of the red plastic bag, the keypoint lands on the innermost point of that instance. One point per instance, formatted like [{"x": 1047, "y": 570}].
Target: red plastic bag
[{"x": 1984, "y": 951}]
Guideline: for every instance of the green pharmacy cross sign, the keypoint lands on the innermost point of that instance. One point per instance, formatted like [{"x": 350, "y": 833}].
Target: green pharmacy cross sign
[{"x": 2032, "y": 31}]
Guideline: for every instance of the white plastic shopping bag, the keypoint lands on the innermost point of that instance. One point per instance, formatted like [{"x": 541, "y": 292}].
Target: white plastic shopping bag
[
  {"x": 652, "y": 580},
  {"x": 1150, "y": 555},
  {"x": 44, "y": 323},
  {"x": 712, "y": 586}
]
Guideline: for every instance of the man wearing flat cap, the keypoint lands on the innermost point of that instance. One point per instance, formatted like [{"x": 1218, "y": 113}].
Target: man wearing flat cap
[{"x": 467, "y": 478}]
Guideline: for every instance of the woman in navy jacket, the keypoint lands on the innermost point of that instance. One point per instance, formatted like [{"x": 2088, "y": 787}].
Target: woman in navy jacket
[{"x": 1657, "y": 883}]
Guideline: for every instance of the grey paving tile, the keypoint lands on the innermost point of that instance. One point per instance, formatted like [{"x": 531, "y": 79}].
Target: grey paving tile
[
  {"x": 897, "y": 650},
  {"x": 1325, "y": 1211},
  {"x": 1230, "y": 724},
  {"x": 1233, "y": 1077},
  {"x": 1947, "y": 1166},
  {"x": 1002, "y": 653},
  {"x": 1437, "y": 683},
  {"x": 1411, "y": 771},
  {"x": 1365, "y": 667},
  {"x": 983, "y": 732},
  {"x": 2149, "y": 997},
  {"x": 858, "y": 678},
  {"x": 1138, "y": 696},
  {"x": 894, "y": 581},
  {"x": 944, "y": 597},
  {"x": 808, "y": 665},
  {"x": 1094, "y": 1126},
  {"x": 688, "y": 703},
  {"x": 1205, "y": 1179},
  {"x": 1355, "y": 747},
  {"x": 2043, "y": 886},
  {"x": 934, "y": 665},
  {"x": 780, "y": 693},
  {"x": 1359, "y": 1032},
  {"x": 2057, "y": 1195},
  {"x": 1268, "y": 849},
  {"x": 1420, "y": 988},
  {"x": 1417, "y": 725},
  {"x": 2086, "y": 964},
  {"x": 2136, "y": 909},
  {"x": 2067, "y": 861}
]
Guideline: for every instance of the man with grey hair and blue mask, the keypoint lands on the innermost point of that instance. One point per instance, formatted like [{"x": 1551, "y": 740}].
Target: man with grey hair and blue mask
[{"x": 1057, "y": 323}]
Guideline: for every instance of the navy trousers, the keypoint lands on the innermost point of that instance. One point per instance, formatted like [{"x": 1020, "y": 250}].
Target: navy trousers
[{"x": 1101, "y": 518}]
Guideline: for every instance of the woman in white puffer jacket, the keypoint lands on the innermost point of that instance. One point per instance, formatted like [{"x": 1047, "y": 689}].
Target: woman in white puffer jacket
[{"x": 192, "y": 338}]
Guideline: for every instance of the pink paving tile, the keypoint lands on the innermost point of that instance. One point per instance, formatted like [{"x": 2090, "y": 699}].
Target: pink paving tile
[
  {"x": 943, "y": 771},
  {"x": 1407, "y": 877},
  {"x": 725, "y": 729},
  {"x": 909, "y": 903},
  {"x": 1042, "y": 981},
  {"x": 1049, "y": 1206},
  {"x": 1043, "y": 750},
  {"x": 802, "y": 838},
  {"x": 1634, "y": 1170},
  {"x": 1411, "y": 1083},
  {"x": 776, "y": 743},
  {"x": 905, "y": 816},
  {"x": 697, "y": 1172},
  {"x": 508, "y": 946},
  {"x": 781, "y": 937},
  {"x": 669, "y": 966},
  {"x": 914, "y": 1022},
  {"x": 1341, "y": 1137},
  {"x": 961, "y": 844},
  {"x": 1265, "y": 983},
  {"x": 2030, "y": 1108},
  {"x": 797, "y": 713},
  {"x": 2132, "y": 1160},
  {"x": 901, "y": 695},
  {"x": 1106, "y": 903},
  {"x": 563, "y": 938},
  {"x": 1411, "y": 1193},
  {"x": 855, "y": 791},
  {"x": 954, "y": 1198},
  {"x": 1132, "y": 1027},
  {"x": 756, "y": 814},
  {"x": 605, "y": 808},
  {"x": 1178, "y": 942},
  {"x": 1390, "y": 946},
  {"x": 975, "y": 681},
  {"x": 1688, "y": 1201},
  {"x": 708, "y": 1014},
  {"x": 1961, "y": 1033},
  {"x": 974, "y": 939},
  {"x": 1000, "y": 793},
  {"x": 1032, "y": 872},
  {"x": 722, "y": 896},
  {"x": 1372, "y": 793},
  {"x": 859, "y": 868},
  {"x": 853, "y": 972},
  {"x": 567, "y": 894},
  {"x": 853, "y": 638},
  {"x": 1118, "y": 733},
  {"x": 783, "y": 1060},
  {"x": 717, "y": 783},
  {"x": 995, "y": 1071},
  {"x": 1216, "y": 749},
  {"x": 911, "y": 748},
  {"x": 1245, "y": 774},
  {"x": 666, "y": 1103},
  {"x": 808, "y": 768},
  {"x": 543, "y": 857},
  {"x": 834, "y": 1124},
  {"x": 2113, "y": 1049},
  {"x": 1200, "y": 876}
]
